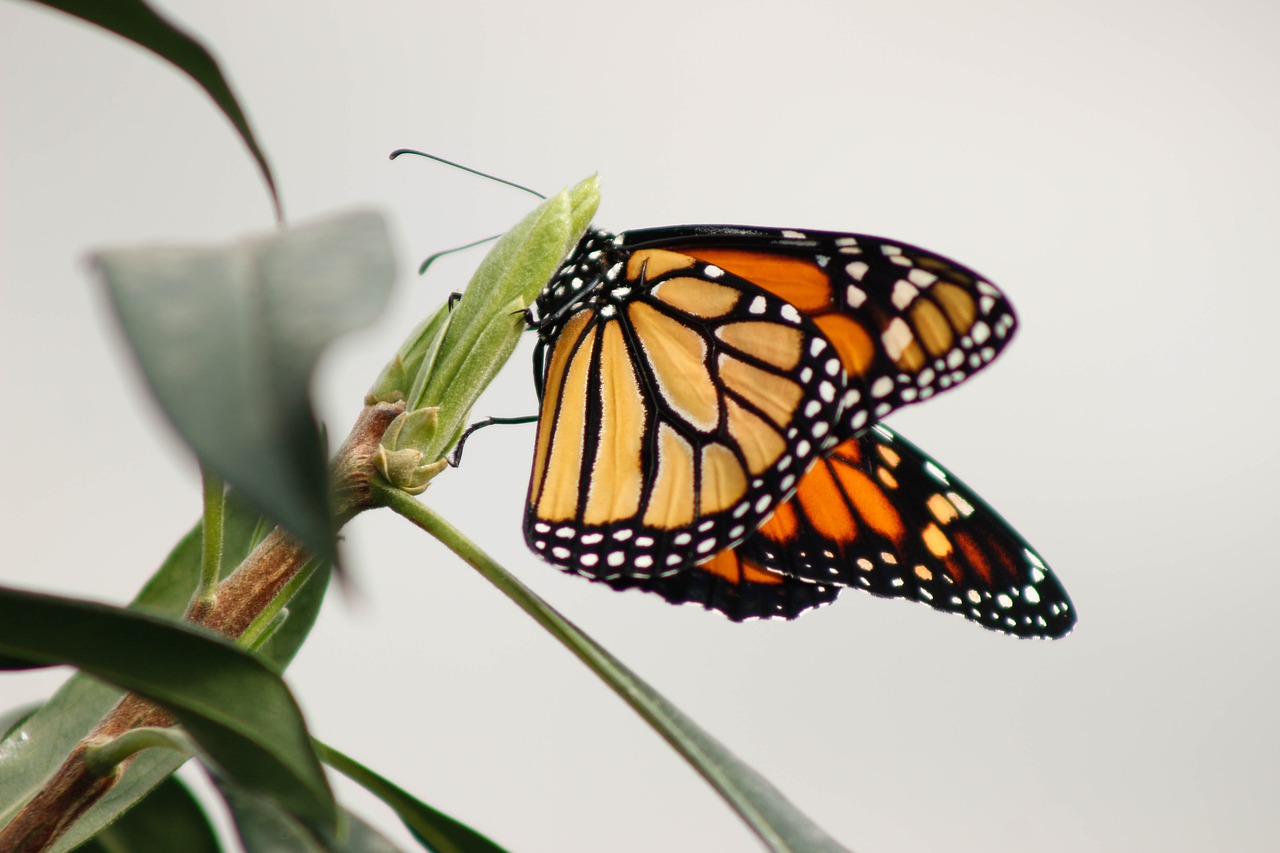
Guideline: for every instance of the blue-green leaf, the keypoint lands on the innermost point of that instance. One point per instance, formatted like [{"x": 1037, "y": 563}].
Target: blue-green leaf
[{"x": 227, "y": 338}]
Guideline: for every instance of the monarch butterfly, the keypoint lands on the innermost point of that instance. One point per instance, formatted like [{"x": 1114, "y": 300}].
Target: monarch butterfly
[{"x": 694, "y": 378}]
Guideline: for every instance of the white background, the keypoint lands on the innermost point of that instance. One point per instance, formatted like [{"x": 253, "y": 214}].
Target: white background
[{"x": 1112, "y": 165}]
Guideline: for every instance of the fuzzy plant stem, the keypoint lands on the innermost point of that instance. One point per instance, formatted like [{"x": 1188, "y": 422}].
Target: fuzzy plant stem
[{"x": 252, "y": 589}]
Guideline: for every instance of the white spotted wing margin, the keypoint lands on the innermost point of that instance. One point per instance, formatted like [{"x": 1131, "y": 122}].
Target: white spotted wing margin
[
  {"x": 680, "y": 405},
  {"x": 908, "y": 322}
]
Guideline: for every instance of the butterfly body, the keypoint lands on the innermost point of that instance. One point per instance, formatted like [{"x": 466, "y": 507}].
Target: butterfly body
[{"x": 709, "y": 425}]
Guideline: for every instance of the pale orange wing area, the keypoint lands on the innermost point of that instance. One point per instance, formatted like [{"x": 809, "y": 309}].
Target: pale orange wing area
[
  {"x": 679, "y": 408},
  {"x": 558, "y": 454}
]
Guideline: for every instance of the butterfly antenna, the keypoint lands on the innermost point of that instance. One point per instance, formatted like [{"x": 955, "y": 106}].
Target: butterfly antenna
[
  {"x": 399, "y": 151},
  {"x": 431, "y": 259}
]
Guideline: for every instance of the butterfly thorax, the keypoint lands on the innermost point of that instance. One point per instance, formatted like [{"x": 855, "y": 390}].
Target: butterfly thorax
[{"x": 587, "y": 278}]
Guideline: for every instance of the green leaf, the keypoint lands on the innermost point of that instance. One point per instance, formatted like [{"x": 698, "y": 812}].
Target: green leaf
[
  {"x": 264, "y": 827},
  {"x": 15, "y": 717},
  {"x": 304, "y": 607},
  {"x": 139, "y": 23},
  {"x": 168, "y": 819},
  {"x": 29, "y": 756},
  {"x": 415, "y": 359},
  {"x": 437, "y": 831},
  {"x": 232, "y": 704},
  {"x": 778, "y": 823},
  {"x": 483, "y": 329},
  {"x": 228, "y": 337},
  {"x": 8, "y": 664}
]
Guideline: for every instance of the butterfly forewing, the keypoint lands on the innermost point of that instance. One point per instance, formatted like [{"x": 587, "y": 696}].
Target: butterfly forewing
[
  {"x": 907, "y": 323},
  {"x": 878, "y": 514},
  {"x": 681, "y": 404}
]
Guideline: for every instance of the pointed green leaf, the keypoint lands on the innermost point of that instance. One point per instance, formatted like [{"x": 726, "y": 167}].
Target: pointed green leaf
[
  {"x": 169, "y": 818},
  {"x": 138, "y": 22},
  {"x": 231, "y": 703},
  {"x": 303, "y": 608},
  {"x": 437, "y": 831},
  {"x": 228, "y": 337},
  {"x": 487, "y": 323},
  {"x": 264, "y": 827}
]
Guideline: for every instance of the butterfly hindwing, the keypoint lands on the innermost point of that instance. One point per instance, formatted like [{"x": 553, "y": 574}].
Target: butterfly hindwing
[
  {"x": 681, "y": 404},
  {"x": 878, "y": 514},
  {"x": 736, "y": 587},
  {"x": 907, "y": 322}
]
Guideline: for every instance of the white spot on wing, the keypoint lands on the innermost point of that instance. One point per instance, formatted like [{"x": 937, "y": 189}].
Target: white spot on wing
[
  {"x": 897, "y": 337},
  {"x": 924, "y": 278},
  {"x": 904, "y": 293}
]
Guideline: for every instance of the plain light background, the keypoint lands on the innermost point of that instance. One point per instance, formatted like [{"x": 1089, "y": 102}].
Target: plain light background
[{"x": 1111, "y": 165}]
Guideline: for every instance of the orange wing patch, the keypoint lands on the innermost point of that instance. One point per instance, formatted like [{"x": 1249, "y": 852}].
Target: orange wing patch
[
  {"x": 879, "y": 515},
  {"x": 796, "y": 280}
]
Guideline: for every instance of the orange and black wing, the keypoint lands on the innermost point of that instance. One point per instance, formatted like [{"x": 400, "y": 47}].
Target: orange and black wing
[
  {"x": 680, "y": 406},
  {"x": 880, "y": 515},
  {"x": 907, "y": 322}
]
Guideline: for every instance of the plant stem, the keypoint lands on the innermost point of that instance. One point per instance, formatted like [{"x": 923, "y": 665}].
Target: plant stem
[
  {"x": 722, "y": 770},
  {"x": 261, "y": 582},
  {"x": 211, "y": 536},
  {"x": 104, "y": 756},
  {"x": 270, "y": 618}
]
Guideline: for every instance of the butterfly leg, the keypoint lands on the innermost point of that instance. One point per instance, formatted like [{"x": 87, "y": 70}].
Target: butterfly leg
[{"x": 455, "y": 458}]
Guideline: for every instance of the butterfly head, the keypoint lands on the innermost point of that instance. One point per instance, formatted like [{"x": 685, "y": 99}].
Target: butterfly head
[{"x": 586, "y": 272}]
